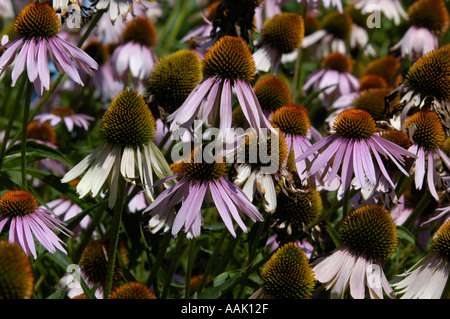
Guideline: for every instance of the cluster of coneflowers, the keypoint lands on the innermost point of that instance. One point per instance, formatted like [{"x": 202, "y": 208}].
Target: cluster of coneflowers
[{"x": 272, "y": 137}]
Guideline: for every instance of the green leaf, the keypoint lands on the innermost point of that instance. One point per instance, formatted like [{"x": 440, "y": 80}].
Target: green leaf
[
  {"x": 404, "y": 233},
  {"x": 58, "y": 294},
  {"x": 35, "y": 151},
  {"x": 222, "y": 283},
  {"x": 64, "y": 262}
]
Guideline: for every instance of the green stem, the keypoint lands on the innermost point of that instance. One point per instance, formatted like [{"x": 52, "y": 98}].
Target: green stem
[
  {"x": 252, "y": 255},
  {"x": 114, "y": 237},
  {"x": 418, "y": 209},
  {"x": 192, "y": 253},
  {"x": 23, "y": 148},
  {"x": 173, "y": 264},
  {"x": 296, "y": 75},
  {"x": 227, "y": 256},
  {"x": 12, "y": 117},
  {"x": 159, "y": 259}
]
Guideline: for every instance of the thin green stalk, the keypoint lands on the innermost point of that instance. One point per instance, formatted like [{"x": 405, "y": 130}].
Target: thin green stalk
[
  {"x": 159, "y": 259},
  {"x": 23, "y": 148},
  {"x": 173, "y": 264},
  {"x": 192, "y": 254},
  {"x": 296, "y": 75},
  {"x": 12, "y": 117},
  {"x": 222, "y": 265},
  {"x": 418, "y": 209},
  {"x": 114, "y": 237},
  {"x": 252, "y": 254}
]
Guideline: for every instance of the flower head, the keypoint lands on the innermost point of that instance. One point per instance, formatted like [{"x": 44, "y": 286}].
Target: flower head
[
  {"x": 428, "y": 19},
  {"x": 428, "y": 136},
  {"x": 260, "y": 165},
  {"x": 93, "y": 261},
  {"x": 281, "y": 34},
  {"x": 352, "y": 147},
  {"x": 427, "y": 84},
  {"x": 173, "y": 78},
  {"x": 28, "y": 220},
  {"x": 391, "y": 9},
  {"x": 136, "y": 55},
  {"x": 335, "y": 77},
  {"x": 38, "y": 26},
  {"x": 128, "y": 128},
  {"x": 369, "y": 237},
  {"x": 335, "y": 31},
  {"x": 227, "y": 65},
  {"x": 293, "y": 121},
  {"x": 272, "y": 93},
  {"x": 197, "y": 177},
  {"x": 296, "y": 209},
  {"x": 288, "y": 274}
]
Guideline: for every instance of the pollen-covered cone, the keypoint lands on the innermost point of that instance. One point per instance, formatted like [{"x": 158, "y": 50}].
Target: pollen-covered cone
[
  {"x": 128, "y": 128},
  {"x": 288, "y": 274},
  {"x": 16, "y": 274}
]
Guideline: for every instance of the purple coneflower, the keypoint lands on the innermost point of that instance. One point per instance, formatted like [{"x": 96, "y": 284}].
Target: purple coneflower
[
  {"x": 369, "y": 237},
  {"x": 227, "y": 65},
  {"x": 28, "y": 220},
  {"x": 335, "y": 77},
  {"x": 428, "y": 136},
  {"x": 293, "y": 121},
  {"x": 196, "y": 178},
  {"x": 428, "y": 277},
  {"x": 428, "y": 19},
  {"x": 281, "y": 34},
  {"x": 38, "y": 26},
  {"x": 352, "y": 147},
  {"x": 136, "y": 56},
  {"x": 68, "y": 116},
  {"x": 128, "y": 128}
]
